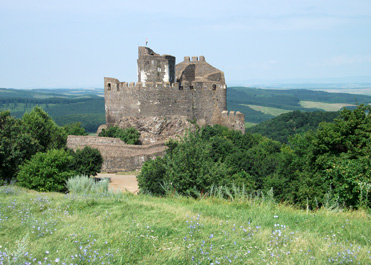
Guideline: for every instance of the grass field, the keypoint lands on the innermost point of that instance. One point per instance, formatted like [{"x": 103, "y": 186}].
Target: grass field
[
  {"x": 108, "y": 228},
  {"x": 268, "y": 110},
  {"x": 324, "y": 106},
  {"x": 249, "y": 124}
]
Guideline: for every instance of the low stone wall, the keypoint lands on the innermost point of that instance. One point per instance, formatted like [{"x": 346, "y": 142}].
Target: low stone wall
[{"x": 118, "y": 156}]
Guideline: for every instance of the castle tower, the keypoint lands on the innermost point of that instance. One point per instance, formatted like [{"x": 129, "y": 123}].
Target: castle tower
[{"x": 153, "y": 67}]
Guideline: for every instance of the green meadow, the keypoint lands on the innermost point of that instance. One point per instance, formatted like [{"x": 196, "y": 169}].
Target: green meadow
[{"x": 122, "y": 228}]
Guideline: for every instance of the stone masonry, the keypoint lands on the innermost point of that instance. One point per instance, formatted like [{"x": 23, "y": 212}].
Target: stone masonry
[{"x": 169, "y": 97}]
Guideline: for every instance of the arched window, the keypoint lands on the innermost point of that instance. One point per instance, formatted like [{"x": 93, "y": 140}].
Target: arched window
[{"x": 109, "y": 86}]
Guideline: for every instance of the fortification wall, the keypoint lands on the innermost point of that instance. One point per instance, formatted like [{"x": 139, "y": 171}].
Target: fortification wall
[
  {"x": 118, "y": 156},
  {"x": 196, "y": 101}
]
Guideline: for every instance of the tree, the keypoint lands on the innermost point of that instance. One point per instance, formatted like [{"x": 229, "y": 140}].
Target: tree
[
  {"x": 16, "y": 146},
  {"x": 42, "y": 128},
  {"x": 87, "y": 161},
  {"x": 47, "y": 171}
]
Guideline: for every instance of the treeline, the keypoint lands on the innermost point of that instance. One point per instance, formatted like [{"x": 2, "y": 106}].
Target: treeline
[
  {"x": 33, "y": 151},
  {"x": 330, "y": 165},
  {"x": 288, "y": 124}
]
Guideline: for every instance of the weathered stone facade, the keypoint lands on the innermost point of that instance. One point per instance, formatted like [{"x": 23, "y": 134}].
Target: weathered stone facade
[
  {"x": 167, "y": 94},
  {"x": 118, "y": 156}
]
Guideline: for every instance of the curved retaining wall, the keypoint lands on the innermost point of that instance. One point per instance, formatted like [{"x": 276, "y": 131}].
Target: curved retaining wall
[{"x": 118, "y": 156}]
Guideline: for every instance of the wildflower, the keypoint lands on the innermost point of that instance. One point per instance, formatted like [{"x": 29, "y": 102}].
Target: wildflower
[
  {"x": 47, "y": 252},
  {"x": 276, "y": 216},
  {"x": 57, "y": 260}
]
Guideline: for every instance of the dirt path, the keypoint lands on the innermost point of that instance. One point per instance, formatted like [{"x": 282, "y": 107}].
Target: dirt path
[{"x": 122, "y": 182}]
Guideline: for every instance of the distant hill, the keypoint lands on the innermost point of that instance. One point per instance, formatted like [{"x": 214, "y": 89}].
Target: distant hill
[
  {"x": 87, "y": 105},
  {"x": 285, "y": 125},
  {"x": 263, "y": 104},
  {"x": 63, "y": 105}
]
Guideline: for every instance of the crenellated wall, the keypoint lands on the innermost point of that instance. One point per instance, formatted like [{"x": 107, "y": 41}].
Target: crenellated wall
[{"x": 196, "y": 101}]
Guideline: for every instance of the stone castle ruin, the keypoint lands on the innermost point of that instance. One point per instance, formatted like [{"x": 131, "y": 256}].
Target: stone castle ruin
[{"x": 168, "y": 98}]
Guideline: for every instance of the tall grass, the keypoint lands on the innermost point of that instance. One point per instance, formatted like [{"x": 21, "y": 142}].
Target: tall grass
[
  {"x": 231, "y": 226},
  {"x": 85, "y": 184}
]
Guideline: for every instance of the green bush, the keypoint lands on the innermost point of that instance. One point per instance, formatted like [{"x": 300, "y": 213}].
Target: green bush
[
  {"x": 87, "y": 161},
  {"x": 86, "y": 185},
  {"x": 74, "y": 129},
  {"x": 200, "y": 160},
  {"x": 128, "y": 135},
  {"x": 46, "y": 171}
]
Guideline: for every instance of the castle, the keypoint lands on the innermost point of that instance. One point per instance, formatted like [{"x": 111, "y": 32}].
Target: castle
[
  {"x": 167, "y": 97},
  {"x": 166, "y": 100}
]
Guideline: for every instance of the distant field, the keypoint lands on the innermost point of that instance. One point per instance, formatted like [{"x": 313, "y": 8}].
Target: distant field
[
  {"x": 268, "y": 110},
  {"x": 249, "y": 124},
  {"x": 323, "y": 105}
]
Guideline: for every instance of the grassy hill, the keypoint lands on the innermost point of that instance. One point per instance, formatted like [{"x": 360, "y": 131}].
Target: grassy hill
[{"x": 108, "y": 228}]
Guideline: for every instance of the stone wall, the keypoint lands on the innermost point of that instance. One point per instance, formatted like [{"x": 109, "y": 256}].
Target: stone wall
[
  {"x": 196, "y": 101},
  {"x": 118, "y": 156}
]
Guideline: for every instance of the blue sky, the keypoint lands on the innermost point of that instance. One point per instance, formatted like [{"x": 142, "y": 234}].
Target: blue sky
[{"x": 75, "y": 44}]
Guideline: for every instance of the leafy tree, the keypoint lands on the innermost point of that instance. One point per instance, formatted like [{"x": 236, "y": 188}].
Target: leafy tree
[
  {"x": 208, "y": 156},
  {"x": 87, "y": 161},
  {"x": 128, "y": 135},
  {"x": 16, "y": 146},
  {"x": 42, "y": 128},
  {"x": 74, "y": 129},
  {"x": 47, "y": 171}
]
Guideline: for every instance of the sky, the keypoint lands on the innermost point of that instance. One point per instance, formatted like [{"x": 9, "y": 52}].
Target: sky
[{"x": 75, "y": 44}]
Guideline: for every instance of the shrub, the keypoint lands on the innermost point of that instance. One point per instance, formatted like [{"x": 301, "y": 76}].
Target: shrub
[
  {"x": 85, "y": 184},
  {"x": 87, "y": 161},
  {"x": 46, "y": 171},
  {"x": 74, "y": 129},
  {"x": 128, "y": 135}
]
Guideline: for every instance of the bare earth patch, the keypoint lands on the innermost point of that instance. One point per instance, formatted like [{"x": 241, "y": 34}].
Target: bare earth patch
[{"x": 121, "y": 182}]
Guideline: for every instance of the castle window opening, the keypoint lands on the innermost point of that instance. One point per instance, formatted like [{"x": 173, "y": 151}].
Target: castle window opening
[
  {"x": 191, "y": 87},
  {"x": 181, "y": 88},
  {"x": 214, "y": 87},
  {"x": 109, "y": 86}
]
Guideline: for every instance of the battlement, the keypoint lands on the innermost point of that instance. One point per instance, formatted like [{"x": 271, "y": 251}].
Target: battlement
[
  {"x": 192, "y": 89},
  {"x": 195, "y": 59},
  {"x": 112, "y": 84},
  {"x": 233, "y": 120}
]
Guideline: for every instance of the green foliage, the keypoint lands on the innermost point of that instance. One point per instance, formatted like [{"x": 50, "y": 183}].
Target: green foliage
[
  {"x": 285, "y": 125},
  {"x": 86, "y": 185},
  {"x": 152, "y": 176},
  {"x": 46, "y": 171},
  {"x": 16, "y": 146},
  {"x": 128, "y": 135},
  {"x": 207, "y": 157},
  {"x": 42, "y": 128},
  {"x": 74, "y": 129},
  {"x": 87, "y": 161}
]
